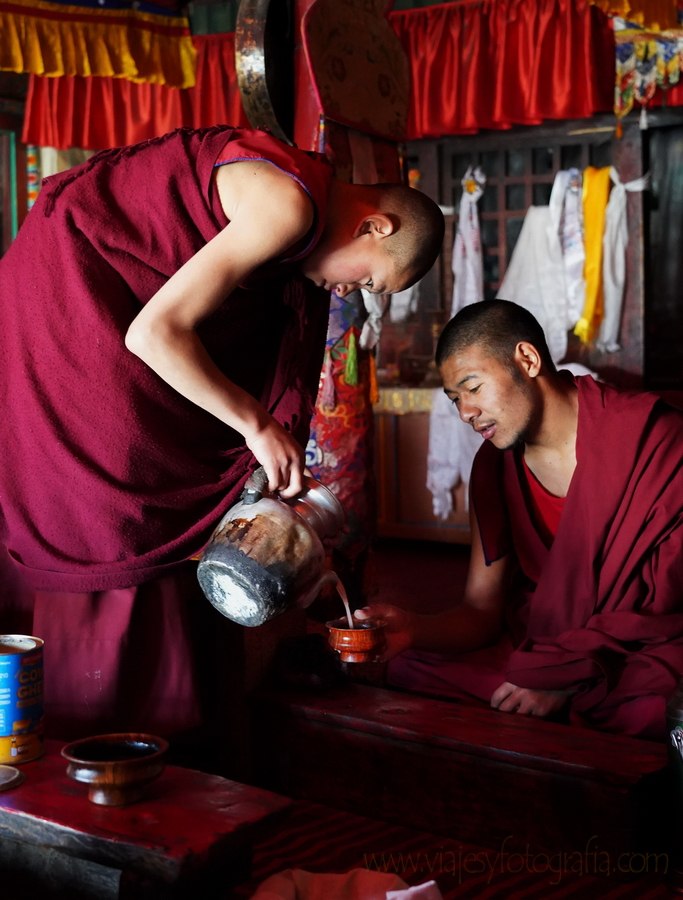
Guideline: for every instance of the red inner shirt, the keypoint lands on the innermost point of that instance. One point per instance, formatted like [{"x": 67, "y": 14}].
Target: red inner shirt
[{"x": 547, "y": 507}]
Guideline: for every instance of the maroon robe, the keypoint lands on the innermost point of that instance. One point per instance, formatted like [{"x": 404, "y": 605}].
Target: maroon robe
[
  {"x": 110, "y": 479},
  {"x": 110, "y": 476},
  {"x": 599, "y": 609}
]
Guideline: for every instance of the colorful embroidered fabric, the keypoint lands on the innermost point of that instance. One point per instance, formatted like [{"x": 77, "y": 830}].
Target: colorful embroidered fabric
[
  {"x": 339, "y": 451},
  {"x": 341, "y": 448},
  {"x": 645, "y": 61},
  {"x": 141, "y": 42}
]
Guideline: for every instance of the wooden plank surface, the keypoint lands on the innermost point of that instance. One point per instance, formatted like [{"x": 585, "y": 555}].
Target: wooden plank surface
[
  {"x": 185, "y": 819},
  {"x": 465, "y": 771},
  {"x": 478, "y": 730}
]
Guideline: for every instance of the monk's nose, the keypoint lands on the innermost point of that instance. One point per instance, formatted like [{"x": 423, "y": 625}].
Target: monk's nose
[
  {"x": 341, "y": 290},
  {"x": 467, "y": 412}
]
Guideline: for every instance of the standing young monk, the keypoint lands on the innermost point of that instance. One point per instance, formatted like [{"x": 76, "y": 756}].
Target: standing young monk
[
  {"x": 574, "y": 598},
  {"x": 163, "y": 313}
]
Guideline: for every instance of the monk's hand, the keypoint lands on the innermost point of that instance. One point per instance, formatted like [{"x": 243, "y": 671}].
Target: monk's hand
[
  {"x": 281, "y": 457},
  {"x": 399, "y": 626},
  {"x": 509, "y": 698}
]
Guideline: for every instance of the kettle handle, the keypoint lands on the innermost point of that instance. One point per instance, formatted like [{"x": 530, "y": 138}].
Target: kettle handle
[{"x": 255, "y": 486}]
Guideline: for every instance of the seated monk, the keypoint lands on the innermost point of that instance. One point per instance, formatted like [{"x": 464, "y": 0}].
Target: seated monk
[{"x": 573, "y": 606}]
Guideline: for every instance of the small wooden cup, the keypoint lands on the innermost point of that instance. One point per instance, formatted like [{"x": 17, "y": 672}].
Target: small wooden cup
[
  {"x": 358, "y": 645},
  {"x": 116, "y": 766}
]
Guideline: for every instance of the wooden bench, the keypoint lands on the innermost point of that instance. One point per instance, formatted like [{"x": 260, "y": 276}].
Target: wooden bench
[
  {"x": 190, "y": 836},
  {"x": 463, "y": 771}
]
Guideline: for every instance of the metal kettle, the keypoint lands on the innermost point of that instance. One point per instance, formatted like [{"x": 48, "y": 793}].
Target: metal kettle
[{"x": 267, "y": 553}]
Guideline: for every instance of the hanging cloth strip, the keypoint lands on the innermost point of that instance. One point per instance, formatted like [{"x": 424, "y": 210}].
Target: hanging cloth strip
[
  {"x": 596, "y": 187},
  {"x": 535, "y": 277},
  {"x": 375, "y": 306},
  {"x": 452, "y": 447},
  {"x": 467, "y": 265},
  {"x": 545, "y": 272},
  {"x": 614, "y": 258},
  {"x": 404, "y": 304},
  {"x": 128, "y": 39},
  {"x": 567, "y": 220}
]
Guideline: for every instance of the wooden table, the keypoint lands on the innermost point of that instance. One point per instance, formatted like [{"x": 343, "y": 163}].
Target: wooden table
[{"x": 191, "y": 834}]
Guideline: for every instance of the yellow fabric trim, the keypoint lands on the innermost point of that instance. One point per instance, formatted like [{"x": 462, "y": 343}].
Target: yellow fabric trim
[
  {"x": 399, "y": 401},
  {"x": 53, "y": 40},
  {"x": 653, "y": 14},
  {"x": 596, "y": 187}
]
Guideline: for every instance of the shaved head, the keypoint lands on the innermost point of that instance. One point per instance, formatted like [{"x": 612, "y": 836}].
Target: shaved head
[{"x": 495, "y": 325}]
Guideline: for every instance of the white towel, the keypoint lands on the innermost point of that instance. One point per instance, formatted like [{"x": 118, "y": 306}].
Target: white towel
[{"x": 535, "y": 277}]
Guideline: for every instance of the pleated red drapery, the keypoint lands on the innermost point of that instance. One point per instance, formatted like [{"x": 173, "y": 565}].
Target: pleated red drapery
[
  {"x": 478, "y": 65},
  {"x": 95, "y": 113},
  {"x": 475, "y": 64}
]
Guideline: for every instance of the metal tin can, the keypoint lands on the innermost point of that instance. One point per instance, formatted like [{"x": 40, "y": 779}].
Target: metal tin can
[{"x": 21, "y": 698}]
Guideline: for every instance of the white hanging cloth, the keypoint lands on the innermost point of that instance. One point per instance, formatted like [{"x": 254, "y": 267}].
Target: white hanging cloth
[
  {"x": 614, "y": 242},
  {"x": 452, "y": 445},
  {"x": 452, "y": 448},
  {"x": 404, "y": 304},
  {"x": 540, "y": 276},
  {"x": 566, "y": 210},
  {"x": 467, "y": 263},
  {"x": 535, "y": 277},
  {"x": 375, "y": 306}
]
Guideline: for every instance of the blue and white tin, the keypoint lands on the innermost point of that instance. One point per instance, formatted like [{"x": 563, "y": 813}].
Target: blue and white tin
[{"x": 21, "y": 698}]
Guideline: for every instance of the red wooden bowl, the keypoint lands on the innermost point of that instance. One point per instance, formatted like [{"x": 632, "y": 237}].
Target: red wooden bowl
[
  {"x": 116, "y": 766},
  {"x": 364, "y": 643}
]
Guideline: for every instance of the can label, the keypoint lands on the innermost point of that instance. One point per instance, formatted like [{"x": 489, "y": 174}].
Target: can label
[{"x": 21, "y": 698}]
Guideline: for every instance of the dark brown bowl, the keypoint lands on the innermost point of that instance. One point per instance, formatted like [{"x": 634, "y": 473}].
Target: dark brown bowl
[
  {"x": 361, "y": 644},
  {"x": 116, "y": 766}
]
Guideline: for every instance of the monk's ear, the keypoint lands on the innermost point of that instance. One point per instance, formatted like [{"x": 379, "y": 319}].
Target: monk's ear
[
  {"x": 378, "y": 224},
  {"x": 528, "y": 358}
]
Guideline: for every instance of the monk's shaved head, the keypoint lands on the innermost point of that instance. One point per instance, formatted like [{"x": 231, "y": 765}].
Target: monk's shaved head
[{"x": 495, "y": 325}]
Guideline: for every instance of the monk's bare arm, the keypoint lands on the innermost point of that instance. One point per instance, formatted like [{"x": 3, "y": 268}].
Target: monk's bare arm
[
  {"x": 268, "y": 213},
  {"x": 475, "y": 622}
]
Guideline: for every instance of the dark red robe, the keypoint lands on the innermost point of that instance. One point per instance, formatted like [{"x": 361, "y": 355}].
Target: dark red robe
[
  {"x": 599, "y": 609},
  {"x": 109, "y": 476},
  {"x": 110, "y": 479}
]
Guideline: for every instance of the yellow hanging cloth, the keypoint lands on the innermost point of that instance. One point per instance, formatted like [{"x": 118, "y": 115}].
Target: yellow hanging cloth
[{"x": 596, "y": 187}]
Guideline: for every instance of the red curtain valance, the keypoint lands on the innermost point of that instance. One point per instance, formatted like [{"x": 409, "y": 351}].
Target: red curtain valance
[
  {"x": 477, "y": 65},
  {"x": 95, "y": 113}
]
